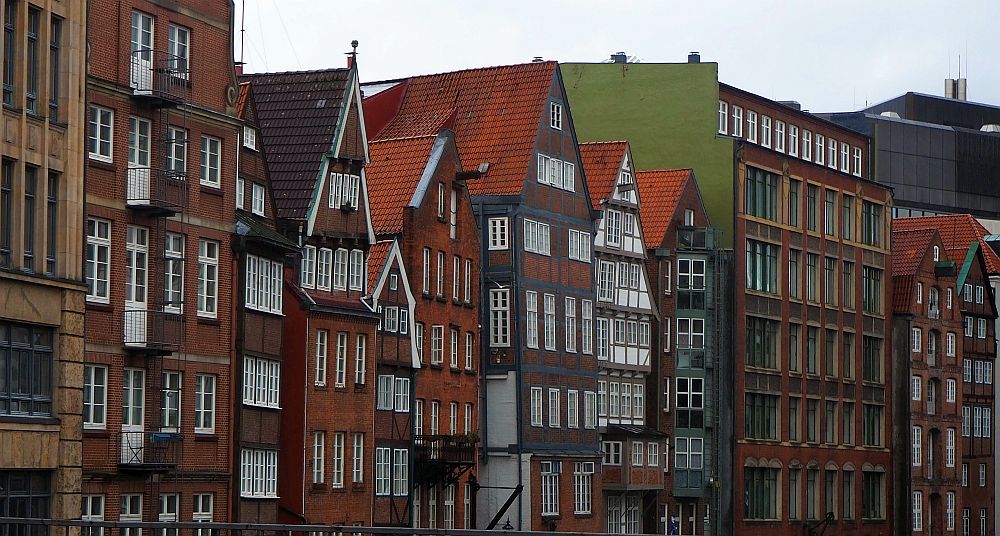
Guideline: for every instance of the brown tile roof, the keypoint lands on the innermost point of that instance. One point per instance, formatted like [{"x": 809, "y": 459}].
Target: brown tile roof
[
  {"x": 601, "y": 162},
  {"x": 241, "y": 99},
  {"x": 659, "y": 192},
  {"x": 393, "y": 174},
  {"x": 297, "y": 118},
  {"x": 377, "y": 256},
  {"x": 496, "y": 112},
  {"x": 957, "y": 232},
  {"x": 909, "y": 247}
]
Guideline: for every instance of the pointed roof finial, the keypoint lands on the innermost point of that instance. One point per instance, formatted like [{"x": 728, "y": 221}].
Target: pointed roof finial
[{"x": 352, "y": 56}]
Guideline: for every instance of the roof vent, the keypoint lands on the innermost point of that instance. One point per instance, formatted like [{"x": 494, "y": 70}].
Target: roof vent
[
  {"x": 795, "y": 105},
  {"x": 990, "y": 127},
  {"x": 537, "y": 59},
  {"x": 891, "y": 114},
  {"x": 619, "y": 57},
  {"x": 694, "y": 57},
  {"x": 956, "y": 88}
]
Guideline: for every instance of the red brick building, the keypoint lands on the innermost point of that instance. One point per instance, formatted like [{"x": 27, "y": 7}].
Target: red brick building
[
  {"x": 812, "y": 340},
  {"x": 160, "y": 212},
  {"x": 312, "y": 130},
  {"x": 688, "y": 276},
  {"x": 419, "y": 198},
  {"x": 513, "y": 125},
  {"x": 624, "y": 315},
  {"x": 927, "y": 326},
  {"x": 976, "y": 264}
]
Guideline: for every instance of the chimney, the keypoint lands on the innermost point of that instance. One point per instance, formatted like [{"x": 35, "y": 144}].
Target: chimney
[
  {"x": 694, "y": 57},
  {"x": 956, "y": 88},
  {"x": 238, "y": 66},
  {"x": 619, "y": 57},
  {"x": 537, "y": 59},
  {"x": 352, "y": 56}
]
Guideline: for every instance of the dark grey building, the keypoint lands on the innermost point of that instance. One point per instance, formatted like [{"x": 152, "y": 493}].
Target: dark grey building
[{"x": 939, "y": 154}]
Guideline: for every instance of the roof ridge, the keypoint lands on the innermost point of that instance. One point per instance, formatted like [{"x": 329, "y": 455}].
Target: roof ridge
[
  {"x": 306, "y": 71},
  {"x": 466, "y": 70}
]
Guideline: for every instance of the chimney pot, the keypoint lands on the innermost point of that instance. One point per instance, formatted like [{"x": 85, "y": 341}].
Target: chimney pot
[{"x": 694, "y": 57}]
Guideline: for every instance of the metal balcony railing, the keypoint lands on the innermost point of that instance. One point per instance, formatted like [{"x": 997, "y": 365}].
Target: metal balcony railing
[
  {"x": 161, "y": 190},
  {"x": 449, "y": 449},
  {"x": 142, "y": 450},
  {"x": 159, "y": 75},
  {"x": 158, "y": 329}
]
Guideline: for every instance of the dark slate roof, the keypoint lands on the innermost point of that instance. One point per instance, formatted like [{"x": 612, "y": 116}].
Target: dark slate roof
[
  {"x": 297, "y": 118},
  {"x": 254, "y": 229}
]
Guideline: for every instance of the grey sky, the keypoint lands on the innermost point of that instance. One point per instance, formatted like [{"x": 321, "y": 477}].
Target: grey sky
[{"x": 830, "y": 56}]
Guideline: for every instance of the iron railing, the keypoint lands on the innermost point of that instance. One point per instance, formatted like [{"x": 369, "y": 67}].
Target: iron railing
[
  {"x": 159, "y": 74},
  {"x": 157, "y": 329}
]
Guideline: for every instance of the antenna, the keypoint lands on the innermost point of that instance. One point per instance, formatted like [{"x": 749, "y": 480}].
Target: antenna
[{"x": 243, "y": 28}]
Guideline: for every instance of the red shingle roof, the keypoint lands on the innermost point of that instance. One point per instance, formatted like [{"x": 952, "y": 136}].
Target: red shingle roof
[
  {"x": 496, "y": 112},
  {"x": 393, "y": 174},
  {"x": 659, "y": 192},
  {"x": 241, "y": 100},
  {"x": 957, "y": 232},
  {"x": 601, "y": 162},
  {"x": 909, "y": 247},
  {"x": 377, "y": 255},
  {"x": 297, "y": 117}
]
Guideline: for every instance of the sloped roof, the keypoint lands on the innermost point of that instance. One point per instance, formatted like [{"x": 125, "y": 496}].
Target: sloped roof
[
  {"x": 601, "y": 162},
  {"x": 393, "y": 174},
  {"x": 908, "y": 250},
  {"x": 377, "y": 256},
  {"x": 241, "y": 99},
  {"x": 496, "y": 112},
  {"x": 297, "y": 118},
  {"x": 957, "y": 232},
  {"x": 659, "y": 190}
]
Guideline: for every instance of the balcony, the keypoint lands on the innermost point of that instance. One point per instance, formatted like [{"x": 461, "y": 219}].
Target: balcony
[
  {"x": 626, "y": 477},
  {"x": 154, "y": 331},
  {"x": 149, "y": 451},
  {"x": 443, "y": 458},
  {"x": 159, "y": 78},
  {"x": 156, "y": 191}
]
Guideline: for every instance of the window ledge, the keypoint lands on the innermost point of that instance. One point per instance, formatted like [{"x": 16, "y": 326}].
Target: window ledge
[
  {"x": 211, "y": 189},
  {"x": 206, "y": 436},
  {"x": 101, "y": 164},
  {"x": 209, "y": 321},
  {"x": 99, "y": 306},
  {"x": 100, "y": 433},
  {"x": 29, "y": 420}
]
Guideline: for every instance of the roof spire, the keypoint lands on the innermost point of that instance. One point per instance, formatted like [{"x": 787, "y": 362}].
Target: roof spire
[{"x": 352, "y": 56}]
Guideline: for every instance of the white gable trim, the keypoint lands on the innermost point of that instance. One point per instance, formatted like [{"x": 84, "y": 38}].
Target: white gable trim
[
  {"x": 437, "y": 151},
  {"x": 395, "y": 256},
  {"x": 317, "y": 196}
]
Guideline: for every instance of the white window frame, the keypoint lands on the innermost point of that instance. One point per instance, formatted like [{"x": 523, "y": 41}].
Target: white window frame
[
  {"x": 499, "y": 236},
  {"x": 555, "y": 412},
  {"x": 257, "y": 199},
  {"x": 211, "y": 161},
  {"x": 95, "y": 396},
  {"x": 98, "y": 248},
  {"x": 204, "y": 403},
  {"x": 555, "y": 115},
  {"x": 500, "y": 317},
  {"x": 536, "y": 406},
  {"x": 101, "y": 135},
  {"x": 208, "y": 278},
  {"x": 537, "y": 237}
]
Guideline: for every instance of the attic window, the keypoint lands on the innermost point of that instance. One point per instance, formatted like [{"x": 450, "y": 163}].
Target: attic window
[
  {"x": 937, "y": 253},
  {"x": 249, "y": 138},
  {"x": 555, "y": 115},
  {"x": 392, "y": 281}
]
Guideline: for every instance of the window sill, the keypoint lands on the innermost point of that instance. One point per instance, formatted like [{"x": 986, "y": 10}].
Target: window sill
[
  {"x": 471, "y": 372},
  {"x": 97, "y": 433},
  {"x": 441, "y": 298},
  {"x": 209, "y": 321},
  {"x": 206, "y": 436},
  {"x": 100, "y": 306},
  {"x": 29, "y": 420},
  {"x": 107, "y": 165},
  {"x": 211, "y": 189}
]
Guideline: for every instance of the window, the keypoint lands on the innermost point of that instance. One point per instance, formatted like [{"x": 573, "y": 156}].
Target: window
[
  {"x": 950, "y": 390},
  {"x": 360, "y": 353},
  {"x": 873, "y": 495},
  {"x": 550, "y": 487},
  {"x": 261, "y": 380},
  {"x": 437, "y": 345},
  {"x": 723, "y": 117},
  {"x": 812, "y": 277},
  {"x": 101, "y": 132},
  {"x": 358, "y": 460},
  {"x": 555, "y": 413},
  {"x": 765, "y": 131},
  {"x": 95, "y": 395},
  {"x": 322, "y": 337},
  {"x": 761, "y": 194},
  {"x": 871, "y": 223},
  {"x": 832, "y": 154},
  {"x": 169, "y": 509},
  {"x": 98, "y": 258},
  {"x": 779, "y": 136},
  {"x": 549, "y": 302},
  {"x": 761, "y": 415},
  {"x": 340, "y": 269},
  {"x": 812, "y": 195},
  {"x": 820, "y": 149},
  {"x": 204, "y": 404},
  {"x": 751, "y": 126},
  {"x": 10, "y": 52},
  {"x": 572, "y": 409},
  {"x": 794, "y": 274},
  {"x": 555, "y": 116},
  {"x": 499, "y": 317},
  {"x": 179, "y": 48},
  {"x": 259, "y": 473},
  {"x": 170, "y": 401},
  {"x": 91, "y": 508},
  {"x": 761, "y": 342},
  {"x": 589, "y": 409},
  {"x": 263, "y": 284},
  {"x": 689, "y": 403},
  {"x": 613, "y": 228},
  {"x": 498, "y": 233},
  {"x": 453, "y": 349},
  {"x": 570, "y": 324},
  {"x": 688, "y": 462},
  {"x": 556, "y": 173},
  {"x": 916, "y": 455},
  {"x": 872, "y": 431},
  {"x": 208, "y": 277},
  {"x": 807, "y": 145},
  {"x": 762, "y": 266},
  {"x": 7, "y": 218},
  {"x": 982, "y": 477},
  {"x": 737, "y": 121},
  {"x": 337, "y": 459},
  {"x": 871, "y": 289},
  {"x": 31, "y": 91},
  {"x": 400, "y": 476},
  {"x": 211, "y": 157},
  {"x": 440, "y": 274},
  {"x": 318, "y": 463},
  {"x": 918, "y": 511},
  {"x": 981, "y": 323},
  {"x": 830, "y": 212},
  {"x": 856, "y": 170},
  {"x": 916, "y": 336},
  {"x": 258, "y": 199},
  {"x": 26, "y": 366},
  {"x": 536, "y": 406},
  {"x": 915, "y": 383},
  {"x": 468, "y": 280},
  {"x": 966, "y": 514},
  {"x": 340, "y": 361},
  {"x": 845, "y": 157},
  {"x": 761, "y": 492},
  {"x": 690, "y": 333},
  {"x": 638, "y": 456},
  {"x": 383, "y": 467},
  {"x": 579, "y": 245},
  {"x": 456, "y": 271},
  {"x": 583, "y": 475},
  {"x": 949, "y": 448},
  {"x": 793, "y": 140}
]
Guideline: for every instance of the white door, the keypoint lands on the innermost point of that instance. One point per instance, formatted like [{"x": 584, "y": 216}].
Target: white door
[
  {"x": 133, "y": 405},
  {"x": 142, "y": 53},
  {"x": 138, "y": 187},
  {"x": 136, "y": 285}
]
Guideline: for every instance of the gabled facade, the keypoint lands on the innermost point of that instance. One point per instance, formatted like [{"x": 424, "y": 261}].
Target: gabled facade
[
  {"x": 420, "y": 198},
  {"x": 260, "y": 255},
  {"x": 42, "y": 254},
  {"x": 624, "y": 316},
  {"x": 927, "y": 328},
  {"x": 689, "y": 278},
  {"x": 160, "y": 215},
  {"x": 312, "y": 128},
  {"x": 513, "y": 124},
  {"x": 978, "y": 271},
  {"x": 396, "y": 363}
]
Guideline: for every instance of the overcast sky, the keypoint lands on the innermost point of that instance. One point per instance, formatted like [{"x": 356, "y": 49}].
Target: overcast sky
[{"x": 830, "y": 56}]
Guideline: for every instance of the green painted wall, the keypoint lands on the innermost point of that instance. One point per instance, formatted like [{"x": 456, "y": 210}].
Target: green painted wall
[{"x": 669, "y": 115}]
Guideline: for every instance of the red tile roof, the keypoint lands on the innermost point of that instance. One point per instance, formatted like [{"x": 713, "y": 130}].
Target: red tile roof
[
  {"x": 602, "y": 161},
  {"x": 957, "y": 232},
  {"x": 241, "y": 100},
  {"x": 297, "y": 118},
  {"x": 909, "y": 248},
  {"x": 659, "y": 192},
  {"x": 393, "y": 174},
  {"x": 496, "y": 113},
  {"x": 377, "y": 256}
]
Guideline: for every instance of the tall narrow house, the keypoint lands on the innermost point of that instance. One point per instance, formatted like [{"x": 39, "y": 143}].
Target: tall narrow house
[
  {"x": 312, "y": 129},
  {"x": 160, "y": 211},
  {"x": 420, "y": 197},
  {"x": 538, "y": 372},
  {"x": 41, "y": 260},
  {"x": 624, "y": 315}
]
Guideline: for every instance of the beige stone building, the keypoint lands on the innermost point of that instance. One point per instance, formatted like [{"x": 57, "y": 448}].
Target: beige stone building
[{"x": 42, "y": 285}]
